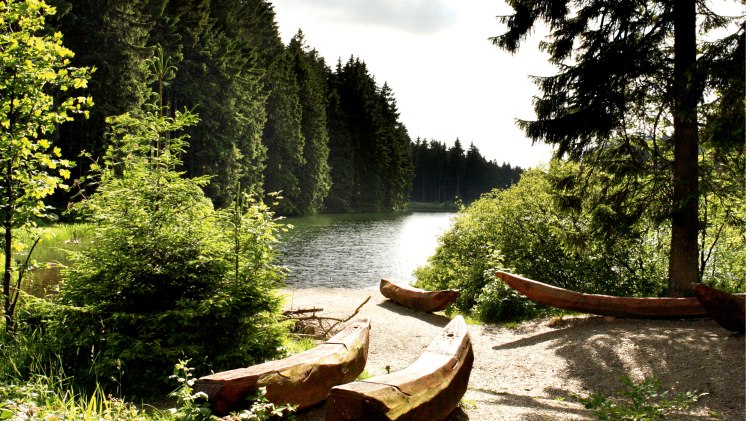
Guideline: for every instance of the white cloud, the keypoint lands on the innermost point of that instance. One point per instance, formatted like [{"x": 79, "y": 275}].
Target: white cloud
[
  {"x": 449, "y": 83},
  {"x": 411, "y": 16}
]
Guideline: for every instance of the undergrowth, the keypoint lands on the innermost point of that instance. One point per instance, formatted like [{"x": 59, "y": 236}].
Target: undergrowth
[{"x": 641, "y": 401}]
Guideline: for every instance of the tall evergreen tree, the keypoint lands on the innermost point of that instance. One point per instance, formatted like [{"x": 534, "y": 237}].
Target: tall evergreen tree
[
  {"x": 455, "y": 168},
  {"x": 358, "y": 92},
  {"x": 218, "y": 77},
  {"x": 597, "y": 94},
  {"x": 314, "y": 175},
  {"x": 112, "y": 37},
  {"x": 437, "y": 170},
  {"x": 382, "y": 170},
  {"x": 419, "y": 157},
  {"x": 341, "y": 155},
  {"x": 475, "y": 177},
  {"x": 395, "y": 152},
  {"x": 282, "y": 136}
]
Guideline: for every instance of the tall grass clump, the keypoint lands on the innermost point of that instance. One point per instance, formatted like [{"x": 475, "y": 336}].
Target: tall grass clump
[{"x": 33, "y": 386}]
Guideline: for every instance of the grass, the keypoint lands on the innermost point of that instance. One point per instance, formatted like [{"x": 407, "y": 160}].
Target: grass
[
  {"x": 33, "y": 386},
  {"x": 32, "y": 389},
  {"x": 468, "y": 404},
  {"x": 51, "y": 254},
  {"x": 37, "y": 401},
  {"x": 55, "y": 242},
  {"x": 294, "y": 344},
  {"x": 364, "y": 375}
]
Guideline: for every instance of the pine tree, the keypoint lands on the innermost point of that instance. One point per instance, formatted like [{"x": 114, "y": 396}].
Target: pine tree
[
  {"x": 114, "y": 41},
  {"x": 314, "y": 176},
  {"x": 341, "y": 156},
  {"x": 601, "y": 103}
]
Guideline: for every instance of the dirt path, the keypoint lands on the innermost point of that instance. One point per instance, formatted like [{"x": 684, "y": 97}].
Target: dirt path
[{"x": 530, "y": 371}]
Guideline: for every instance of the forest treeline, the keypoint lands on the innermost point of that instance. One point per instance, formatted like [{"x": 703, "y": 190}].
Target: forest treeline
[
  {"x": 273, "y": 116},
  {"x": 443, "y": 174}
]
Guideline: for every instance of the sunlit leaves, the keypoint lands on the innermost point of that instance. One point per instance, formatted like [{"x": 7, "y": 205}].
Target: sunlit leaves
[
  {"x": 35, "y": 72},
  {"x": 195, "y": 280},
  {"x": 523, "y": 229}
]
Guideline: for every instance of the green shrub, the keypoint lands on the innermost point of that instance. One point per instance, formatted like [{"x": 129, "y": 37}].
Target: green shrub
[
  {"x": 524, "y": 230},
  {"x": 499, "y": 302},
  {"x": 166, "y": 276}
]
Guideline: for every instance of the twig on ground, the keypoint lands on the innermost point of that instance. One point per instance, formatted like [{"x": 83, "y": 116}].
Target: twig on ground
[{"x": 325, "y": 324}]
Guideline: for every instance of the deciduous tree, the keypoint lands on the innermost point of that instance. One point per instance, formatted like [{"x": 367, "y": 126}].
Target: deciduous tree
[{"x": 36, "y": 95}]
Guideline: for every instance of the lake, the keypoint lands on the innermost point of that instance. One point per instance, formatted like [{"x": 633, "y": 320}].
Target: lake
[{"x": 356, "y": 251}]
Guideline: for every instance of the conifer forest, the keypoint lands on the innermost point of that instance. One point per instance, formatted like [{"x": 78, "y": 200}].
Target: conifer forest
[{"x": 274, "y": 116}]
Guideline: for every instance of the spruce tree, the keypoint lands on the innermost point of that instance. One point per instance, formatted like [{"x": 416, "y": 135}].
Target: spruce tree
[
  {"x": 219, "y": 78},
  {"x": 341, "y": 148},
  {"x": 396, "y": 164},
  {"x": 282, "y": 137},
  {"x": 114, "y": 41},
  {"x": 629, "y": 85},
  {"x": 314, "y": 175}
]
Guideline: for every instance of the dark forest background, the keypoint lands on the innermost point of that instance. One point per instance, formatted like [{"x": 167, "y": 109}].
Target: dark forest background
[{"x": 273, "y": 116}]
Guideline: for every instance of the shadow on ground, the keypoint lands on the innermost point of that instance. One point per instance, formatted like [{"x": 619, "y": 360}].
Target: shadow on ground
[
  {"x": 598, "y": 351},
  {"x": 438, "y": 320}
]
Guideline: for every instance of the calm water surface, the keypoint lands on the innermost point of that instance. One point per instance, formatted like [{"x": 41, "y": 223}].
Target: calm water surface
[{"x": 356, "y": 251}]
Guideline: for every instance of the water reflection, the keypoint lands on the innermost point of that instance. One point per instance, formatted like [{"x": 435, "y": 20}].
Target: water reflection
[{"x": 355, "y": 251}]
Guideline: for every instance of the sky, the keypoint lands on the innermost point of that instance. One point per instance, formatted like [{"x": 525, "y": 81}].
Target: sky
[{"x": 449, "y": 81}]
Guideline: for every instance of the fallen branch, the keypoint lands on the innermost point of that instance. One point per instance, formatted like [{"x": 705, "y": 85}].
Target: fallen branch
[
  {"x": 302, "y": 319},
  {"x": 302, "y": 311},
  {"x": 325, "y": 334},
  {"x": 324, "y": 324}
]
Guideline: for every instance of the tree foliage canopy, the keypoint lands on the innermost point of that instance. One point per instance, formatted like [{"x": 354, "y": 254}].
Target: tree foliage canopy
[
  {"x": 641, "y": 92},
  {"x": 37, "y": 93}
]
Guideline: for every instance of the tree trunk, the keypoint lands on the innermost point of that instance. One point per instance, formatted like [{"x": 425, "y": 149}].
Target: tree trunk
[
  {"x": 8, "y": 249},
  {"x": 683, "y": 255}
]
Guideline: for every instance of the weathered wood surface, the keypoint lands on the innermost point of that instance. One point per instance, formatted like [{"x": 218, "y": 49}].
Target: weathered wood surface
[
  {"x": 605, "y": 305},
  {"x": 728, "y": 310},
  {"x": 428, "y": 390},
  {"x": 418, "y": 299},
  {"x": 303, "y": 379}
]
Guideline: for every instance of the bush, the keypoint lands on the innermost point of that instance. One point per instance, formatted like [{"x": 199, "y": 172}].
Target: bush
[
  {"x": 499, "y": 302},
  {"x": 524, "y": 230},
  {"x": 166, "y": 276}
]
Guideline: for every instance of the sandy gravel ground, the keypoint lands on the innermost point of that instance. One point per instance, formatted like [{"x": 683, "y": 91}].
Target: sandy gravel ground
[{"x": 530, "y": 371}]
